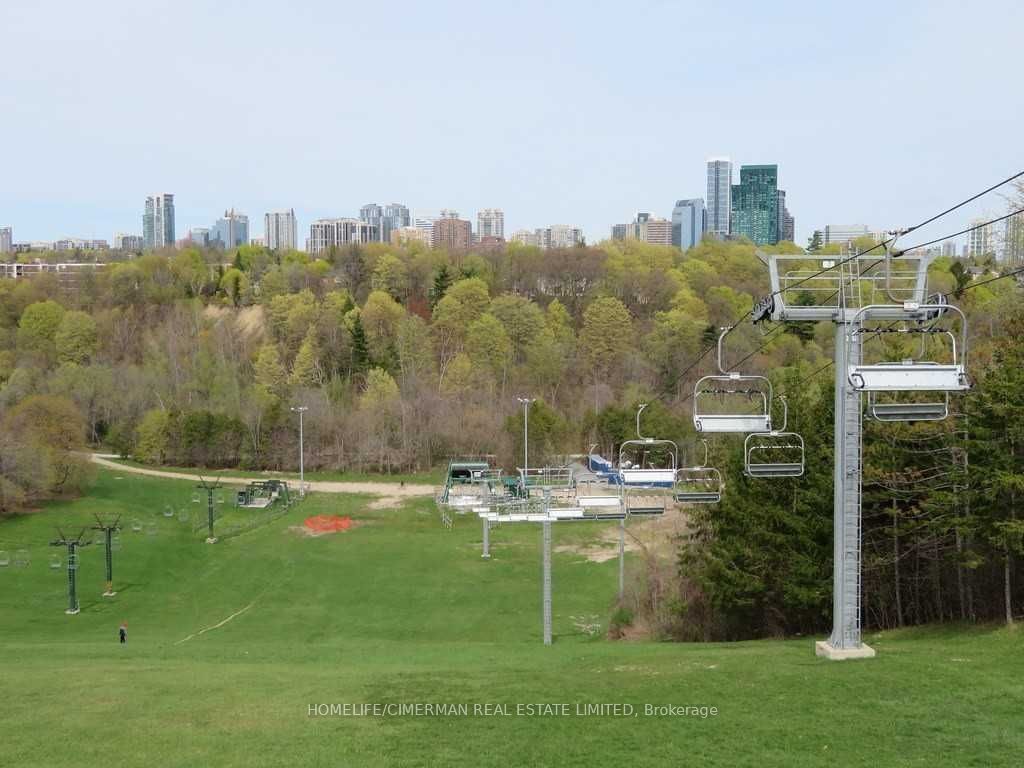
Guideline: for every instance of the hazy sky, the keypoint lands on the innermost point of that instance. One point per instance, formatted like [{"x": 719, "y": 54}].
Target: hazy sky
[{"x": 558, "y": 112}]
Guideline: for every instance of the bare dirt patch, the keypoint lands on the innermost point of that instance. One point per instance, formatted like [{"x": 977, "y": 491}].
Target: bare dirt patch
[
  {"x": 637, "y": 631},
  {"x": 385, "y": 502},
  {"x": 607, "y": 549},
  {"x": 251, "y": 321},
  {"x": 655, "y": 535},
  {"x": 309, "y": 533}
]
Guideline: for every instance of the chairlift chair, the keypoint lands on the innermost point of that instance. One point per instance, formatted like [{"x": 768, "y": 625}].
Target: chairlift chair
[
  {"x": 645, "y": 488},
  {"x": 637, "y": 475},
  {"x": 729, "y": 384},
  {"x": 897, "y": 410},
  {"x": 776, "y": 453},
  {"x": 699, "y": 484},
  {"x": 910, "y": 375}
]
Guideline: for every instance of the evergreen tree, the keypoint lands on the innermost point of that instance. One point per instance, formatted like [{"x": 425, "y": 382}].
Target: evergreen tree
[
  {"x": 442, "y": 281},
  {"x": 360, "y": 347},
  {"x": 814, "y": 243},
  {"x": 761, "y": 559},
  {"x": 996, "y": 412}
]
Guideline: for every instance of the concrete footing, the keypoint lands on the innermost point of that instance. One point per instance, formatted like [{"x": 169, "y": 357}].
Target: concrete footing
[{"x": 824, "y": 649}]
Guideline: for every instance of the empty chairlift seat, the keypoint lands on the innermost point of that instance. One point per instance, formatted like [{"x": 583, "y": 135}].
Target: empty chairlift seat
[
  {"x": 732, "y": 403},
  {"x": 648, "y": 477},
  {"x": 910, "y": 375},
  {"x": 774, "y": 454},
  {"x": 906, "y": 410},
  {"x": 647, "y": 467},
  {"x": 648, "y": 463},
  {"x": 698, "y": 485},
  {"x": 601, "y": 507}
]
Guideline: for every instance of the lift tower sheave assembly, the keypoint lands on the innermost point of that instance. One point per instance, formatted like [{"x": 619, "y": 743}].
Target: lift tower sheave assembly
[{"x": 850, "y": 292}]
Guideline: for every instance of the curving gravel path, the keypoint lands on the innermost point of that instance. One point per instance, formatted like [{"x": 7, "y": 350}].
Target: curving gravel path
[{"x": 391, "y": 490}]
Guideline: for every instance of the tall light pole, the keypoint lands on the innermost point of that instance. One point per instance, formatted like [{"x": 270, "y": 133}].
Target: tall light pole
[
  {"x": 301, "y": 409},
  {"x": 526, "y": 433}
]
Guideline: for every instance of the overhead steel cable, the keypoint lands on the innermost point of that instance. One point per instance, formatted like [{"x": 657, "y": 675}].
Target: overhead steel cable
[
  {"x": 965, "y": 202},
  {"x": 770, "y": 335},
  {"x": 690, "y": 395},
  {"x": 969, "y": 286},
  {"x": 963, "y": 231}
]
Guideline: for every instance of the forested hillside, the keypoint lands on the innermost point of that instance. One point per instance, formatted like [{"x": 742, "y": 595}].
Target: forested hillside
[{"x": 405, "y": 356}]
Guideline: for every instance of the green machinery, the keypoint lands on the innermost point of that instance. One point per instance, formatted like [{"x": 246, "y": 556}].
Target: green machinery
[{"x": 260, "y": 494}]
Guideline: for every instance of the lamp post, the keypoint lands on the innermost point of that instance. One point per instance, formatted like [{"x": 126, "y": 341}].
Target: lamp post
[
  {"x": 301, "y": 409},
  {"x": 526, "y": 433}
]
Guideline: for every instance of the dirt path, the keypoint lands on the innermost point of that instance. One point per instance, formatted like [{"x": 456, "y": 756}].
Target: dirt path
[
  {"x": 390, "y": 490},
  {"x": 218, "y": 625}
]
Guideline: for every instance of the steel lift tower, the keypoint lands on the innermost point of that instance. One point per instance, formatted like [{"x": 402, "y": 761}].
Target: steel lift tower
[
  {"x": 108, "y": 529},
  {"x": 209, "y": 486},
  {"x": 850, "y": 292},
  {"x": 72, "y": 544}
]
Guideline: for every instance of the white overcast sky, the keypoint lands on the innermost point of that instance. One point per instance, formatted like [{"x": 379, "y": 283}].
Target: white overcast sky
[{"x": 558, "y": 112}]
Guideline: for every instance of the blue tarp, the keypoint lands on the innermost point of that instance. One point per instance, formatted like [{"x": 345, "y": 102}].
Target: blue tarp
[{"x": 604, "y": 469}]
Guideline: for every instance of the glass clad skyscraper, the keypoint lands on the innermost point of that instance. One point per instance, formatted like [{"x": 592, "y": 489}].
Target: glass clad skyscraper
[
  {"x": 688, "y": 223},
  {"x": 719, "y": 196},
  {"x": 158, "y": 222},
  {"x": 755, "y": 203}
]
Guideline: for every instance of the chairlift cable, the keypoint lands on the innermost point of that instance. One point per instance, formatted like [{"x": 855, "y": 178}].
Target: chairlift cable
[
  {"x": 964, "y": 231},
  {"x": 986, "y": 282},
  {"x": 968, "y": 200}
]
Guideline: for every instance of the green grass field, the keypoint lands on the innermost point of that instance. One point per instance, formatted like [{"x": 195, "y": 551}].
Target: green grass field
[{"x": 399, "y": 610}]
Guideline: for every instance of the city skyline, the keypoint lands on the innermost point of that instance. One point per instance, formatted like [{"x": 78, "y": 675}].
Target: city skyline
[
  {"x": 572, "y": 156},
  {"x": 729, "y": 217}
]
